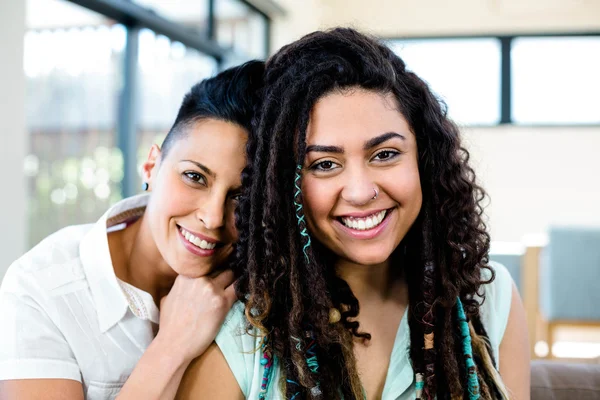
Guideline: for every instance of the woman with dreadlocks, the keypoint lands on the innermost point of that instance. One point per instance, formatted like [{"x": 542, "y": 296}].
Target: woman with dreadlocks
[{"x": 363, "y": 253}]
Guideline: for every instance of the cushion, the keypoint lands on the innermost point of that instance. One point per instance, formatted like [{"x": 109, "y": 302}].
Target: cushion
[{"x": 554, "y": 380}]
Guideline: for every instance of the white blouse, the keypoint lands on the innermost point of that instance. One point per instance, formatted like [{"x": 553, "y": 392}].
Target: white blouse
[{"x": 65, "y": 315}]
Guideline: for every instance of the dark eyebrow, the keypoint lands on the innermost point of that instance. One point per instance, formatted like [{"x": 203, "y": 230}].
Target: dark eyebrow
[
  {"x": 324, "y": 149},
  {"x": 203, "y": 168},
  {"x": 376, "y": 141}
]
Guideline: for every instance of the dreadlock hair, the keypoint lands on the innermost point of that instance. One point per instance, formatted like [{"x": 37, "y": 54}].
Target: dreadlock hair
[{"x": 289, "y": 285}]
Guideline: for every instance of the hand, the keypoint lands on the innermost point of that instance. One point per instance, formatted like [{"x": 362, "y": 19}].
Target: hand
[{"x": 193, "y": 312}]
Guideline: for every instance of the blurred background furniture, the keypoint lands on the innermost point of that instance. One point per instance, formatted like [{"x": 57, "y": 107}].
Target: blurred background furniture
[
  {"x": 569, "y": 281},
  {"x": 551, "y": 380}
]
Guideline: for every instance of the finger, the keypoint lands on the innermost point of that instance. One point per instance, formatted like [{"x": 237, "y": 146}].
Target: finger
[
  {"x": 224, "y": 279},
  {"x": 230, "y": 295}
]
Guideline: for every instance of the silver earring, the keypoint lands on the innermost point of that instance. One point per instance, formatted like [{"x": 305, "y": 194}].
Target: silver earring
[
  {"x": 376, "y": 193},
  {"x": 145, "y": 186}
]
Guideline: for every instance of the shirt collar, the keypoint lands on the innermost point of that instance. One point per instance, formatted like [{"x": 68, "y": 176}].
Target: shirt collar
[
  {"x": 400, "y": 375},
  {"x": 111, "y": 303}
]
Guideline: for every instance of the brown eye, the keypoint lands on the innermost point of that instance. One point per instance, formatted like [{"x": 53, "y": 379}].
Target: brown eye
[
  {"x": 386, "y": 155},
  {"x": 195, "y": 177},
  {"x": 324, "y": 166}
]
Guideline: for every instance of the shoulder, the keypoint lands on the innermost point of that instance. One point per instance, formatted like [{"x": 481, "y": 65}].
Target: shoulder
[
  {"x": 33, "y": 314},
  {"x": 53, "y": 264},
  {"x": 500, "y": 288},
  {"x": 496, "y": 304},
  {"x": 240, "y": 345}
]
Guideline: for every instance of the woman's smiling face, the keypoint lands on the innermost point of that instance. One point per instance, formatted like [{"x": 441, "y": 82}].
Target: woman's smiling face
[
  {"x": 194, "y": 195},
  {"x": 361, "y": 185}
]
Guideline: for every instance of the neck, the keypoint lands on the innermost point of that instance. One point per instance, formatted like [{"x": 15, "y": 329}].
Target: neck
[
  {"x": 369, "y": 283},
  {"x": 137, "y": 261}
]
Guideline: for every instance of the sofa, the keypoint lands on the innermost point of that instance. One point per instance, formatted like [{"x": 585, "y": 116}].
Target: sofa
[{"x": 554, "y": 380}]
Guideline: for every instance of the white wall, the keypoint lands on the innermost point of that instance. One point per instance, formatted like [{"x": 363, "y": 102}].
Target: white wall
[
  {"x": 13, "y": 143},
  {"x": 302, "y": 17},
  {"x": 435, "y": 17},
  {"x": 534, "y": 176}
]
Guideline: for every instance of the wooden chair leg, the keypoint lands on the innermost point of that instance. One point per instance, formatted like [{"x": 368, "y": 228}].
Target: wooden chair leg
[
  {"x": 550, "y": 339},
  {"x": 530, "y": 279}
]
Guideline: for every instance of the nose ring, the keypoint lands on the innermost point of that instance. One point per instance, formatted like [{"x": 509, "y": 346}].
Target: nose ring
[{"x": 376, "y": 193}]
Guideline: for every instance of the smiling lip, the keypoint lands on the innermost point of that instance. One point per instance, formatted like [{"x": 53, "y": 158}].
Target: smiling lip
[
  {"x": 368, "y": 233},
  {"x": 192, "y": 248},
  {"x": 361, "y": 214}
]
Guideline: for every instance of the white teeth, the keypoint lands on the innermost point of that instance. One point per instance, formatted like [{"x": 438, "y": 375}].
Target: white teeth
[
  {"x": 203, "y": 244},
  {"x": 365, "y": 223}
]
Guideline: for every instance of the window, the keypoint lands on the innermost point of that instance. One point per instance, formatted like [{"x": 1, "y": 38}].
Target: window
[
  {"x": 72, "y": 61},
  {"x": 167, "y": 72},
  {"x": 189, "y": 13},
  {"x": 464, "y": 73},
  {"x": 241, "y": 28},
  {"x": 556, "y": 80}
]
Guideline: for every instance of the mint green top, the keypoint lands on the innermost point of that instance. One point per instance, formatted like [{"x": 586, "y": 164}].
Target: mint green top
[{"x": 242, "y": 350}]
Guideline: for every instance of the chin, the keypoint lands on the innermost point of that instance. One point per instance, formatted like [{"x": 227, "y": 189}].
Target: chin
[
  {"x": 364, "y": 259},
  {"x": 372, "y": 254},
  {"x": 191, "y": 271}
]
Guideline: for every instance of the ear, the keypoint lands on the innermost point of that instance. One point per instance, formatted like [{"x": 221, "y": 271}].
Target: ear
[{"x": 150, "y": 166}]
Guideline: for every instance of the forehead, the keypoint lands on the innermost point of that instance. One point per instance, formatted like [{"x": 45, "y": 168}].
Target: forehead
[
  {"x": 210, "y": 135},
  {"x": 354, "y": 116},
  {"x": 217, "y": 144}
]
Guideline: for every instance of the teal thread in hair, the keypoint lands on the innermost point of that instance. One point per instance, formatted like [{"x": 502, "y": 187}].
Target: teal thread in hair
[
  {"x": 299, "y": 213},
  {"x": 313, "y": 364},
  {"x": 298, "y": 343},
  {"x": 311, "y": 359},
  {"x": 473, "y": 383},
  {"x": 293, "y": 383}
]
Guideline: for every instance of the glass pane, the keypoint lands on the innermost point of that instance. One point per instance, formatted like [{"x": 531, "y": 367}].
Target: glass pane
[
  {"x": 72, "y": 60},
  {"x": 167, "y": 72},
  {"x": 556, "y": 80},
  {"x": 465, "y": 73},
  {"x": 190, "y": 13},
  {"x": 241, "y": 28}
]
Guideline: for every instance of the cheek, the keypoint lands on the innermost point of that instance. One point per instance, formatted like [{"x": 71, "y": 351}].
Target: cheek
[
  {"x": 231, "y": 228},
  {"x": 407, "y": 188},
  {"x": 166, "y": 190},
  {"x": 319, "y": 197}
]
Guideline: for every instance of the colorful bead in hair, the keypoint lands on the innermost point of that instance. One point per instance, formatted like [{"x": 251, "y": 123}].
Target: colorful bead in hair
[
  {"x": 311, "y": 358},
  {"x": 428, "y": 341},
  {"x": 299, "y": 213},
  {"x": 419, "y": 386},
  {"x": 267, "y": 362},
  {"x": 473, "y": 382}
]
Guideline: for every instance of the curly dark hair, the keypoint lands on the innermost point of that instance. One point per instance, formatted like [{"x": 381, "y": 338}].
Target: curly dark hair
[{"x": 288, "y": 296}]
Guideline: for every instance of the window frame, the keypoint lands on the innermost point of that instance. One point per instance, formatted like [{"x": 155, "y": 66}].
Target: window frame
[
  {"x": 506, "y": 95},
  {"x": 135, "y": 17}
]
